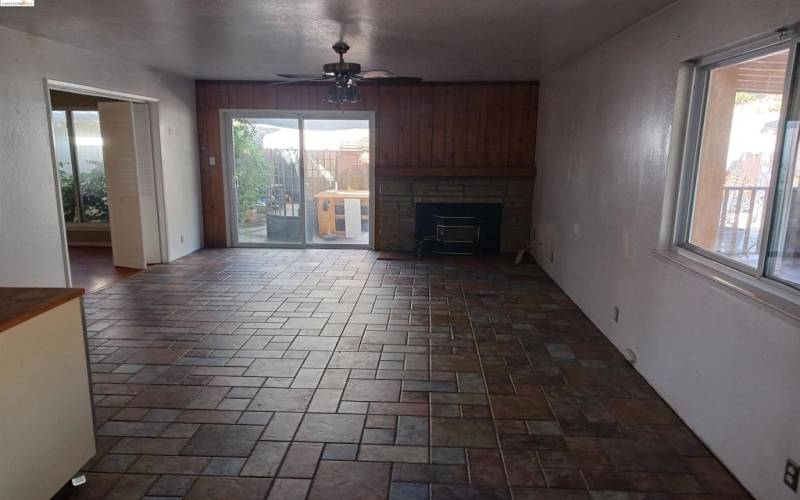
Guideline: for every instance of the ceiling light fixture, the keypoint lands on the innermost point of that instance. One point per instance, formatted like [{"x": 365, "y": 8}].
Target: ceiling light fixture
[
  {"x": 344, "y": 91},
  {"x": 345, "y": 76}
]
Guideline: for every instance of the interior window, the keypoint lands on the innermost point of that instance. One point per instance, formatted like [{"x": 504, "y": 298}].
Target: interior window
[
  {"x": 91, "y": 174},
  {"x": 79, "y": 158},
  {"x": 66, "y": 176}
]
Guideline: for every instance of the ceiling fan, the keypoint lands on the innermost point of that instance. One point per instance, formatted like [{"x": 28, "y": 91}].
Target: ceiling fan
[{"x": 345, "y": 76}]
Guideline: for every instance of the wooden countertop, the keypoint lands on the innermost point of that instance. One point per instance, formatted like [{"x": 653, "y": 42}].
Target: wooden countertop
[{"x": 21, "y": 304}]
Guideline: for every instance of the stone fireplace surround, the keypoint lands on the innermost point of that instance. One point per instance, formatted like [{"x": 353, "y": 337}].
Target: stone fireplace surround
[{"x": 397, "y": 197}]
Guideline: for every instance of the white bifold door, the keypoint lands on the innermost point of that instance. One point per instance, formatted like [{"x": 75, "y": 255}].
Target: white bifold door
[{"x": 130, "y": 177}]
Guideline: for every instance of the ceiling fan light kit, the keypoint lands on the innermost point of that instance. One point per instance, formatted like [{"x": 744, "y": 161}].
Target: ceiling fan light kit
[
  {"x": 345, "y": 75},
  {"x": 343, "y": 93}
]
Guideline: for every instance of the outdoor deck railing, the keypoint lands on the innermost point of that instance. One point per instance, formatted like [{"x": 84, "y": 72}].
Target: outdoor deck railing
[{"x": 741, "y": 219}]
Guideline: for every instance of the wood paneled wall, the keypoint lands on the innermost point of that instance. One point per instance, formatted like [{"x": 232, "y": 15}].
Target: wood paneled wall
[{"x": 422, "y": 130}]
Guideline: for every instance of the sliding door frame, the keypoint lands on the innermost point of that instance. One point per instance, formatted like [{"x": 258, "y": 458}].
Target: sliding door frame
[{"x": 227, "y": 116}]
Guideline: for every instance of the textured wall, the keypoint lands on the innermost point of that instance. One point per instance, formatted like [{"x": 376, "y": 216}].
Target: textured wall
[
  {"x": 727, "y": 365},
  {"x": 28, "y": 203}
]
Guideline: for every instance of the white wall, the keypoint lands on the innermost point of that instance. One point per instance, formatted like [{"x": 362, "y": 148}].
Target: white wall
[
  {"x": 730, "y": 368},
  {"x": 30, "y": 237}
]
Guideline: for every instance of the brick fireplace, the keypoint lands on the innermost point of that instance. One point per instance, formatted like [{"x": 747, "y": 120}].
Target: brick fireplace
[{"x": 397, "y": 198}]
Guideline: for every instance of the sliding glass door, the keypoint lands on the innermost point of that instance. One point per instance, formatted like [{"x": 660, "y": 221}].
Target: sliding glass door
[
  {"x": 300, "y": 179},
  {"x": 266, "y": 180},
  {"x": 336, "y": 159}
]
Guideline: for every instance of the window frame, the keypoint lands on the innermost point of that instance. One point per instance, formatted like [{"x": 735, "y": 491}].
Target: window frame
[
  {"x": 75, "y": 167},
  {"x": 689, "y": 163}
]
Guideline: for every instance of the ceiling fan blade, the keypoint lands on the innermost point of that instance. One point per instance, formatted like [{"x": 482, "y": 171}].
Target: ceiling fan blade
[
  {"x": 298, "y": 76},
  {"x": 376, "y": 73},
  {"x": 384, "y": 75},
  {"x": 297, "y": 80}
]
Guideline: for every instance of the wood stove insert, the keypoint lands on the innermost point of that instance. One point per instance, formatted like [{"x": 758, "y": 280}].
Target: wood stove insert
[{"x": 458, "y": 228}]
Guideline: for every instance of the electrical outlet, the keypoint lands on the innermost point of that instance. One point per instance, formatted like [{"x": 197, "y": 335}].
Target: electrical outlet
[
  {"x": 552, "y": 257},
  {"x": 791, "y": 474},
  {"x": 616, "y": 314},
  {"x": 181, "y": 239}
]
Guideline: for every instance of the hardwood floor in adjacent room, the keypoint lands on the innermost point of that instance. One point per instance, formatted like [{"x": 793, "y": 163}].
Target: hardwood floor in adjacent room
[
  {"x": 93, "y": 268},
  {"x": 292, "y": 374}
]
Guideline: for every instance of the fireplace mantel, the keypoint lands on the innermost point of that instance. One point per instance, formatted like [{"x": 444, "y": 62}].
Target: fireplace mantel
[{"x": 400, "y": 171}]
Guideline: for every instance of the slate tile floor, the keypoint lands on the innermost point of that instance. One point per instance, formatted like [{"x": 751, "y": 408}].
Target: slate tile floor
[{"x": 292, "y": 374}]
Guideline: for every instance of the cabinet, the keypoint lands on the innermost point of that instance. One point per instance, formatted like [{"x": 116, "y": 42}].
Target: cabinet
[
  {"x": 342, "y": 214},
  {"x": 46, "y": 423}
]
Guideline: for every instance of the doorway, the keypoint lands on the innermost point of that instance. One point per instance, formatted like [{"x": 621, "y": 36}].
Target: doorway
[
  {"x": 300, "y": 179},
  {"x": 98, "y": 141}
]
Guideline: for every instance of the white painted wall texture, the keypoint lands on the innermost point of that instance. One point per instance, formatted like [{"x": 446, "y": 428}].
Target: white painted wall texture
[
  {"x": 730, "y": 368},
  {"x": 30, "y": 239}
]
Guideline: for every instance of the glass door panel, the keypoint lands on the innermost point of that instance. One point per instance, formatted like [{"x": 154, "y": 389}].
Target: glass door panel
[
  {"x": 337, "y": 181},
  {"x": 267, "y": 180}
]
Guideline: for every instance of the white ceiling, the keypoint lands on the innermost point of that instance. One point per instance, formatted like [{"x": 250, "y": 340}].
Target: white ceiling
[{"x": 457, "y": 40}]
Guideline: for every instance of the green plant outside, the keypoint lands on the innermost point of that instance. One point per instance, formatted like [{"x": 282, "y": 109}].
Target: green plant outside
[
  {"x": 95, "y": 193},
  {"x": 67, "y": 191},
  {"x": 253, "y": 171},
  {"x": 92, "y": 189}
]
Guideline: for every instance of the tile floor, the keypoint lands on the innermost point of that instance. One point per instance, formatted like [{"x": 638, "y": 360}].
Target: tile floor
[{"x": 292, "y": 374}]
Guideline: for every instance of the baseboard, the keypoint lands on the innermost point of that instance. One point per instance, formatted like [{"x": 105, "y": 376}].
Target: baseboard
[{"x": 89, "y": 244}]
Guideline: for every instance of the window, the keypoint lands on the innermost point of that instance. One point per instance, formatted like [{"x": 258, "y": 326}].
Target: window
[
  {"x": 61, "y": 141},
  {"x": 79, "y": 157},
  {"x": 741, "y": 198}
]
